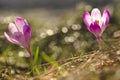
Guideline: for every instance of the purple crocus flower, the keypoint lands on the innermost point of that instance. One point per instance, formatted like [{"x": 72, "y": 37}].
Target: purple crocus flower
[
  {"x": 20, "y": 34},
  {"x": 96, "y": 23}
]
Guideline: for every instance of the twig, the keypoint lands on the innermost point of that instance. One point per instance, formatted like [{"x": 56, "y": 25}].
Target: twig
[{"x": 88, "y": 61}]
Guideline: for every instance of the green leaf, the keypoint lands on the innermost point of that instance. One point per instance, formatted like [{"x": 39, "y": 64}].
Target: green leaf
[
  {"x": 50, "y": 60},
  {"x": 37, "y": 71},
  {"x": 36, "y": 56}
]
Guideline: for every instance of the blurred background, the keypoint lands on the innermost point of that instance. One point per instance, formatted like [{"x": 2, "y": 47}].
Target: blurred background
[{"x": 57, "y": 25}]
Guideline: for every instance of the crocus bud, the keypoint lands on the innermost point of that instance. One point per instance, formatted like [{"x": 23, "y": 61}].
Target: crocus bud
[{"x": 20, "y": 33}]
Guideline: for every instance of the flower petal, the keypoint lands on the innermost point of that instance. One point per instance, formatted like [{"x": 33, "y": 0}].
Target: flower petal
[
  {"x": 12, "y": 40},
  {"x": 20, "y": 38},
  {"x": 12, "y": 28},
  {"x": 20, "y": 23},
  {"x": 95, "y": 14},
  {"x": 105, "y": 20},
  {"x": 27, "y": 33},
  {"x": 87, "y": 19},
  {"x": 95, "y": 29},
  {"x": 106, "y": 17}
]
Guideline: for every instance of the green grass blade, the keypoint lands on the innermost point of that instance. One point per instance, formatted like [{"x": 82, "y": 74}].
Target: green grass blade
[
  {"x": 50, "y": 60},
  {"x": 36, "y": 56}
]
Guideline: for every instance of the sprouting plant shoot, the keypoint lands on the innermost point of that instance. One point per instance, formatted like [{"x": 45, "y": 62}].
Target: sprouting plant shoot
[
  {"x": 96, "y": 23},
  {"x": 20, "y": 34}
]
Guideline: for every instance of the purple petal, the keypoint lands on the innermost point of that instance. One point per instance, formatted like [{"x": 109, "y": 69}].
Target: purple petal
[
  {"x": 12, "y": 40},
  {"x": 27, "y": 33},
  {"x": 20, "y": 38},
  {"x": 105, "y": 20},
  {"x": 95, "y": 29},
  {"x": 106, "y": 17},
  {"x": 20, "y": 23},
  {"x": 87, "y": 19},
  {"x": 95, "y": 14},
  {"x": 12, "y": 28}
]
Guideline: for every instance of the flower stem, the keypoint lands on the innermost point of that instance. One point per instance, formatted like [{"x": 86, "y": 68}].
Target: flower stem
[
  {"x": 31, "y": 56},
  {"x": 99, "y": 40}
]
